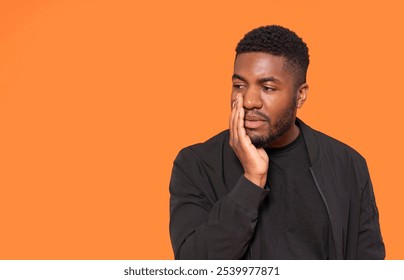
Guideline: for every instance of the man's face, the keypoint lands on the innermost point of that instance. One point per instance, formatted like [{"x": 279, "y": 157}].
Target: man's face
[{"x": 269, "y": 98}]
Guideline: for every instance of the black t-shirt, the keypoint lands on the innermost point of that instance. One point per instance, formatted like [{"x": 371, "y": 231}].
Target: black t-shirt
[{"x": 294, "y": 220}]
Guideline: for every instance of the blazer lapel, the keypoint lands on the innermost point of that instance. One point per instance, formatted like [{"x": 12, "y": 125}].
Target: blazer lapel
[{"x": 323, "y": 176}]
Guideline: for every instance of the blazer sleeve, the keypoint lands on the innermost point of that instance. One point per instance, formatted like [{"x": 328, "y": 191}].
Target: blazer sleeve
[
  {"x": 370, "y": 241},
  {"x": 202, "y": 227}
]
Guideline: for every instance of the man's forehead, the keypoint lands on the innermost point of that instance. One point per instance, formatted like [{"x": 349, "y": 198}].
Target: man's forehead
[{"x": 259, "y": 64}]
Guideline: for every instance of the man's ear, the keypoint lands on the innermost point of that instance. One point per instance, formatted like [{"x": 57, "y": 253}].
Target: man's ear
[{"x": 303, "y": 90}]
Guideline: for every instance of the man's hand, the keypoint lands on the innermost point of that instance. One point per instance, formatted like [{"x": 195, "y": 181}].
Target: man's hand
[{"x": 254, "y": 161}]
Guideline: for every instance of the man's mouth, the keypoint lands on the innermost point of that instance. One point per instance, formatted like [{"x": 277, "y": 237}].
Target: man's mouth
[{"x": 253, "y": 121}]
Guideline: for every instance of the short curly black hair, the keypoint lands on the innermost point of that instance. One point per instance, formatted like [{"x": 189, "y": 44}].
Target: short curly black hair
[{"x": 279, "y": 41}]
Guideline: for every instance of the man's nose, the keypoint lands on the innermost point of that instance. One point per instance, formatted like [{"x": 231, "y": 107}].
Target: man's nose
[{"x": 252, "y": 99}]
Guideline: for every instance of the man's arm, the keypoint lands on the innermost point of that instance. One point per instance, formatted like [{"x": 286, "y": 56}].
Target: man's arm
[
  {"x": 223, "y": 229},
  {"x": 204, "y": 229},
  {"x": 370, "y": 241}
]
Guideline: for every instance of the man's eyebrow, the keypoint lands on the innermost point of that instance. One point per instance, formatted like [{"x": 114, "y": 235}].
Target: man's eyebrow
[
  {"x": 238, "y": 77},
  {"x": 260, "y": 81},
  {"x": 269, "y": 79}
]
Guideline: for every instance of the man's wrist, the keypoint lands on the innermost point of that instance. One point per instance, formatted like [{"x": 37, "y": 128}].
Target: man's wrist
[{"x": 258, "y": 180}]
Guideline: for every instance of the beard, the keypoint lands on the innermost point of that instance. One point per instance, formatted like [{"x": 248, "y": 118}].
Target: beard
[{"x": 277, "y": 129}]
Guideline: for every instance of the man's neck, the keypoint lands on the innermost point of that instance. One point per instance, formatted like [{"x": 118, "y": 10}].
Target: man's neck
[{"x": 286, "y": 138}]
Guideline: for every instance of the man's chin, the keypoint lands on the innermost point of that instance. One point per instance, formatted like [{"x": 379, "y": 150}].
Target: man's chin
[{"x": 259, "y": 141}]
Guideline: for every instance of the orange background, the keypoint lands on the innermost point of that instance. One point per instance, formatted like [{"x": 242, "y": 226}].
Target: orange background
[{"x": 98, "y": 97}]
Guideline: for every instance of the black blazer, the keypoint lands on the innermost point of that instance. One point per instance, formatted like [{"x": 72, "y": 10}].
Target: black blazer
[{"x": 214, "y": 209}]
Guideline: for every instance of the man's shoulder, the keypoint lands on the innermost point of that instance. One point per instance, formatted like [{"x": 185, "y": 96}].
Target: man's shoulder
[
  {"x": 335, "y": 144},
  {"x": 207, "y": 150},
  {"x": 330, "y": 145}
]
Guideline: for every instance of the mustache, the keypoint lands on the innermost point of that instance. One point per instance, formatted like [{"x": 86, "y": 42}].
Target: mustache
[{"x": 255, "y": 113}]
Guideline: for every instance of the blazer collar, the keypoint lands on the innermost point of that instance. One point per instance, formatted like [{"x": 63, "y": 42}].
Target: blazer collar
[{"x": 311, "y": 141}]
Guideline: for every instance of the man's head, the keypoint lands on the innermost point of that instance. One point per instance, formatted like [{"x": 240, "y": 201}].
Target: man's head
[
  {"x": 270, "y": 73},
  {"x": 278, "y": 41}
]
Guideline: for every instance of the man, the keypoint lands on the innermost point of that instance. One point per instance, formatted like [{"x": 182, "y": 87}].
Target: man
[{"x": 271, "y": 187}]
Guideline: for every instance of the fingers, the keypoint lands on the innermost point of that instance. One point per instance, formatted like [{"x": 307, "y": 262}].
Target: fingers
[
  {"x": 233, "y": 121},
  {"x": 243, "y": 139},
  {"x": 241, "y": 133},
  {"x": 238, "y": 135},
  {"x": 233, "y": 111}
]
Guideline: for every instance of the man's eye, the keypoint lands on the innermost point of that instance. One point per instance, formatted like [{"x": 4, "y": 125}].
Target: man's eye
[
  {"x": 236, "y": 86},
  {"x": 265, "y": 88}
]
